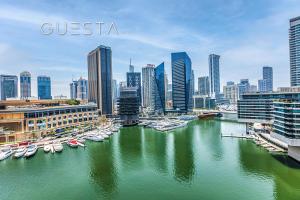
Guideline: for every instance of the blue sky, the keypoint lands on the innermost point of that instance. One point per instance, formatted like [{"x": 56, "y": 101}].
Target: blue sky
[{"x": 248, "y": 34}]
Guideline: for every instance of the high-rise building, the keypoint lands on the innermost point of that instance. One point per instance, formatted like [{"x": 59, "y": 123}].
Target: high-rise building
[
  {"x": 294, "y": 40},
  {"x": 266, "y": 84},
  {"x": 193, "y": 83},
  {"x": 203, "y": 85},
  {"x": 214, "y": 74},
  {"x": 128, "y": 106},
  {"x": 115, "y": 91},
  {"x": 25, "y": 85},
  {"x": 100, "y": 78},
  {"x": 44, "y": 87},
  {"x": 243, "y": 87},
  {"x": 134, "y": 80},
  {"x": 148, "y": 86},
  {"x": 73, "y": 90},
  {"x": 181, "y": 82},
  {"x": 82, "y": 89},
  {"x": 231, "y": 92},
  {"x": 8, "y": 86},
  {"x": 159, "y": 88},
  {"x": 253, "y": 88}
]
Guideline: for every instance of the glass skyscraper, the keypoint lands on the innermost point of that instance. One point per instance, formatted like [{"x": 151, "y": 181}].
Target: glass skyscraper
[
  {"x": 203, "y": 85},
  {"x": 73, "y": 89},
  {"x": 294, "y": 40},
  {"x": 8, "y": 86},
  {"x": 100, "y": 78},
  {"x": 25, "y": 85},
  {"x": 148, "y": 85},
  {"x": 159, "y": 86},
  {"x": 181, "y": 82},
  {"x": 44, "y": 87},
  {"x": 134, "y": 80},
  {"x": 266, "y": 84},
  {"x": 214, "y": 75}
]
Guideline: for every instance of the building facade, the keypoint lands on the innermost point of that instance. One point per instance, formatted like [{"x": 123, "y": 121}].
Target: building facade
[
  {"x": 8, "y": 86},
  {"x": 294, "y": 43},
  {"x": 231, "y": 92},
  {"x": 203, "y": 102},
  {"x": 203, "y": 85},
  {"x": 181, "y": 82},
  {"x": 100, "y": 78},
  {"x": 243, "y": 87},
  {"x": 82, "y": 89},
  {"x": 214, "y": 74},
  {"x": 73, "y": 89},
  {"x": 25, "y": 85},
  {"x": 148, "y": 86},
  {"x": 134, "y": 80},
  {"x": 44, "y": 87},
  {"x": 159, "y": 88}
]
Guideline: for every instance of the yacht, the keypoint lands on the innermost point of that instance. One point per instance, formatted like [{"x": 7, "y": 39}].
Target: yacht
[
  {"x": 73, "y": 143},
  {"x": 5, "y": 153},
  {"x": 95, "y": 138},
  {"x": 58, "y": 147},
  {"x": 31, "y": 150},
  {"x": 104, "y": 135},
  {"x": 47, "y": 148},
  {"x": 20, "y": 152}
]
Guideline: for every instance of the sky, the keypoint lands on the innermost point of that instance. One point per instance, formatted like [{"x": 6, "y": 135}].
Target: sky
[{"x": 247, "y": 34}]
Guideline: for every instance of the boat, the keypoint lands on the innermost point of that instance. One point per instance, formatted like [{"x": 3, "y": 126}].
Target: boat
[
  {"x": 47, "y": 148},
  {"x": 20, "y": 152},
  {"x": 58, "y": 147},
  {"x": 5, "y": 153},
  {"x": 31, "y": 150},
  {"x": 104, "y": 135},
  {"x": 94, "y": 138},
  {"x": 73, "y": 143},
  {"x": 206, "y": 115}
]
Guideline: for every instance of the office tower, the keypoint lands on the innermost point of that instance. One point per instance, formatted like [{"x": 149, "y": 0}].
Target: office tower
[
  {"x": 243, "y": 87},
  {"x": 169, "y": 93},
  {"x": 230, "y": 91},
  {"x": 82, "y": 89},
  {"x": 134, "y": 80},
  {"x": 100, "y": 78},
  {"x": 25, "y": 85},
  {"x": 8, "y": 86},
  {"x": 193, "y": 83},
  {"x": 73, "y": 90},
  {"x": 181, "y": 82},
  {"x": 44, "y": 87},
  {"x": 148, "y": 86},
  {"x": 214, "y": 75},
  {"x": 203, "y": 85},
  {"x": 266, "y": 84},
  {"x": 159, "y": 88},
  {"x": 128, "y": 106},
  {"x": 115, "y": 91},
  {"x": 294, "y": 41}
]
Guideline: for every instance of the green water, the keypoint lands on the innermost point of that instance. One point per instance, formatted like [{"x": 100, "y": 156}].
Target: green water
[{"x": 136, "y": 163}]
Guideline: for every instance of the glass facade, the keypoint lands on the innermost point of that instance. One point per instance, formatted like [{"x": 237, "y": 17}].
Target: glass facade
[
  {"x": 134, "y": 80},
  {"x": 294, "y": 42},
  {"x": 160, "y": 98},
  {"x": 25, "y": 85},
  {"x": 44, "y": 87},
  {"x": 181, "y": 82},
  {"x": 8, "y": 86},
  {"x": 203, "y": 85},
  {"x": 214, "y": 74}
]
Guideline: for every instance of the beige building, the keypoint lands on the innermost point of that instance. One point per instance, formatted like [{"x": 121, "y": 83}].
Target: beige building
[{"x": 231, "y": 92}]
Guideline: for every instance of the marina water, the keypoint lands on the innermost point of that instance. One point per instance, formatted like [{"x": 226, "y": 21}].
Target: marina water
[{"x": 193, "y": 162}]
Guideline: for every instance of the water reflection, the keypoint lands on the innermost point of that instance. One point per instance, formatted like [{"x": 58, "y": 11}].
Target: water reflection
[{"x": 286, "y": 178}]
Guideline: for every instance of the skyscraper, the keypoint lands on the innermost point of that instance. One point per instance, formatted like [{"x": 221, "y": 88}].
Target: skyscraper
[
  {"x": 25, "y": 85},
  {"x": 73, "y": 90},
  {"x": 181, "y": 81},
  {"x": 266, "y": 84},
  {"x": 294, "y": 40},
  {"x": 8, "y": 86},
  {"x": 82, "y": 89},
  {"x": 193, "y": 83},
  {"x": 203, "y": 85},
  {"x": 44, "y": 87},
  {"x": 115, "y": 91},
  {"x": 243, "y": 87},
  {"x": 148, "y": 86},
  {"x": 230, "y": 91},
  {"x": 159, "y": 88},
  {"x": 134, "y": 80},
  {"x": 100, "y": 78},
  {"x": 214, "y": 74}
]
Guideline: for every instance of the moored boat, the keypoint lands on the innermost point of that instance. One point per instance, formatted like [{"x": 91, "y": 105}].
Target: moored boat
[
  {"x": 58, "y": 147},
  {"x": 94, "y": 138},
  {"x": 20, "y": 152},
  {"x": 31, "y": 150},
  {"x": 5, "y": 153},
  {"x": 47, "y": 148},
  {"x": 73, "y": 143}
]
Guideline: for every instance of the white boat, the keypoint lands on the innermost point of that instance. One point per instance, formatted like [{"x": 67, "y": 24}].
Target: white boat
[
  {"x": 31, "y": 150},
  {"x": 95, "y": 138},
  {"x": 5, "y": 153},
  {"x": 20, "y": 152},
  {"x": 104, "y": 135},
  {"x": 47, "y": 148},
  {"x": 108, "y": 132},
  {"x": 58, "y": 147}
]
